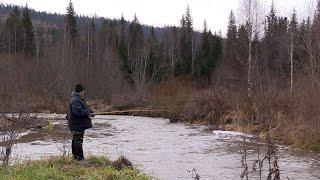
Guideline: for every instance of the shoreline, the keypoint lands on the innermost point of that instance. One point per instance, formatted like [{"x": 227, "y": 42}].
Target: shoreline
[{"x": 257, "y": 130}]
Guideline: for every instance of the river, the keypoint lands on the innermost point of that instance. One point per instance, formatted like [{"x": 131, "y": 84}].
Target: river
[{"x": 168, "y": 151}]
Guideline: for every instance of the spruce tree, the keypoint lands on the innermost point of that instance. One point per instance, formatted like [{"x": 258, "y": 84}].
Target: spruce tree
[
  {"x": 314, "y": 41},
  {"x": 14, "y": 31},
  {"x": 271, "y": 40},
  {"x": 184, "y": 63},
  {"x": 135, "y": 48},
  {"x": 205, "y": 59},
  {"x": 71, "y": 28},
  {"x": 153, "y": 69},
  {"x": 242, "y": 41},
  {"x": 28, "y": 32},
  {"x": 135, "y": 39},
  {"x": 123, "y": 49},
  {"x": 231, "y": 43},
  {"x": 210, "y": 52},
  {"x": 294, "y": 34}
]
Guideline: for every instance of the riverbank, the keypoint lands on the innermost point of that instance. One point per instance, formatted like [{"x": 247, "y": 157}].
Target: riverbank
[
  {"x": 66, "y": 168},
  {"x": 290, "y": 118},
  {"x": 148, "y": 142}
]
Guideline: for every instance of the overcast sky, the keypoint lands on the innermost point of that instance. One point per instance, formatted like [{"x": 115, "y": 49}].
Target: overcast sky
[{"x": 164, "y": 12}]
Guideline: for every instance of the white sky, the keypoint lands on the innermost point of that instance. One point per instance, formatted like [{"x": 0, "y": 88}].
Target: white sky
[{"x": 164, "y": 12}]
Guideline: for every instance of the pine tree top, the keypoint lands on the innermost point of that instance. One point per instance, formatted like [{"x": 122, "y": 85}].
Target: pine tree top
[{"x": 70, "y": 9}]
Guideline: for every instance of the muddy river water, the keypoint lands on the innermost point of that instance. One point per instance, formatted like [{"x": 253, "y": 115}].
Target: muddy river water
[{"x": 168, "y": 151}]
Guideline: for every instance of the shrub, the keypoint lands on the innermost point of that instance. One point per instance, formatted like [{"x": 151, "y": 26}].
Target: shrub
[
  {"x": 122, "y": 162},
  {"x": 208, "y": 106},
  {"x": 172, "y": 95}
]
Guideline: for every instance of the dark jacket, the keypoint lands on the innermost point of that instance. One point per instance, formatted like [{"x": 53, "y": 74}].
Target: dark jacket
[{"x": 78, "y": 114}]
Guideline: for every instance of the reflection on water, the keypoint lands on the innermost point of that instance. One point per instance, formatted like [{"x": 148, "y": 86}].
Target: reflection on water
[{"x": 171, "y": 151}]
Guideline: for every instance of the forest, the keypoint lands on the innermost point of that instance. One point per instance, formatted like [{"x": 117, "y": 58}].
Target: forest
[{"x": 262, "y": 77}]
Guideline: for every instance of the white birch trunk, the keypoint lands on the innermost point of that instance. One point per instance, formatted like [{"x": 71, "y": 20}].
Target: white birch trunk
[{"x": 291, "y": 62}]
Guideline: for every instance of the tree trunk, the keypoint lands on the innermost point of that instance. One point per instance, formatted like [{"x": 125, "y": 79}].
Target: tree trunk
[
  {"x": 38, "y": 47},
  {"x": 250, "y": 69},
  {"x": 291, "y": 63}
]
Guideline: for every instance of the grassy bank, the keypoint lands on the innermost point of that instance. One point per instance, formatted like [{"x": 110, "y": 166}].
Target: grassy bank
[{"x": 66, "y": 168}]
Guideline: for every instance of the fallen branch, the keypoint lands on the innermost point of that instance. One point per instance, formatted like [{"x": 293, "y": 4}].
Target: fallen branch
[{"x": 148, "y": 113}]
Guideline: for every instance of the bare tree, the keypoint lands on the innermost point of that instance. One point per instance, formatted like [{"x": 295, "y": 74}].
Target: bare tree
[
  {"x": 253, "y": 19},
  {"x": 291, "y": 60},
  {"x": 140, "y": 71},
  {"x": 8, "y": 138}
]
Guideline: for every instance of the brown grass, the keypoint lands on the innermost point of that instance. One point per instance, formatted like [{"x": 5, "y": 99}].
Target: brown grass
[
  {"x": 208, "y": 106},
  {"x": 291, "y": 117},
  {"x": 172, "y": 95}
]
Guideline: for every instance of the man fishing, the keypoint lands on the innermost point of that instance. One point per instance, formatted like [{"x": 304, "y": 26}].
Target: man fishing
[{"x": 79, "y": 119}]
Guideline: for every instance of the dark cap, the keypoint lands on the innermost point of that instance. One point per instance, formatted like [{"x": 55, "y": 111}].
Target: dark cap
[{"x": 79, "y": 88}]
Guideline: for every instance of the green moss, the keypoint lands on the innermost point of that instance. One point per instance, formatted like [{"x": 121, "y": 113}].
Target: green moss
[{"x": 66, "y": 168}]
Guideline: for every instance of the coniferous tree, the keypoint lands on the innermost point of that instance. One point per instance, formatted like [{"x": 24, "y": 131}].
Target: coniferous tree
[
  {"x": 210, "y": 52},
  {"x": 123, "y": 49},
  {"x": 242, "y": 54},
  {"x": 302, "y": 50},
  {"x": 231, "y": 42},
  {"x": 271, "y": 39},
  {"x": 135, "y": 46},
  {"x": 135, "y": 37},
  {"x": 13, "y": 29},
  {"x": 293, "y": 25},
  {"x": 315, "y": 33},
  {"x": 283, "y": 44},
  {"x": 153, "y": 61},
  {"x": 184, "y": 64},
  {"x": 71, "y": 35},
  {"x": 28, "y": 32},
  {"x": 71, "y": 28}
]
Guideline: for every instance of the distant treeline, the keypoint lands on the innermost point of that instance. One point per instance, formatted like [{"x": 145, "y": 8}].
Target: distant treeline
[
  {"x": 138, "y": 55},
  {"x": 134, "y": 55}
]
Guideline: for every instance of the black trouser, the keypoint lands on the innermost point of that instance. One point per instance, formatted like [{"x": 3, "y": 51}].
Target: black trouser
[{"x": 77, "y": 141}]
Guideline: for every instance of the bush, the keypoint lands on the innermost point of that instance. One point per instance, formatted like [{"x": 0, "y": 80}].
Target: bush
[
  {"x": 172, "y": 95},
  {"x": 208, "y": 106},
  {"x": 122, "y": 162}
]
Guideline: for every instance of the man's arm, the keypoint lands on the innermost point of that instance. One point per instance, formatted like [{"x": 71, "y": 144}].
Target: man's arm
[{"x": 78, "y": 110}]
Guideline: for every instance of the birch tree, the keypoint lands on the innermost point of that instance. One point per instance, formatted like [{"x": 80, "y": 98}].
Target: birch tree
[
  {"x": 293, "y": 30},
  {"x": 251, "y": 14}
]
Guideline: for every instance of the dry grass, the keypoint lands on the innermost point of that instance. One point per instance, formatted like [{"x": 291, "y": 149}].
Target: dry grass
[
  {"x": 299, "y": 122},
  {"x": 208, "y": 106},
  {"x": 292, "y": 117},
  {"x": 172, "y": 95}
]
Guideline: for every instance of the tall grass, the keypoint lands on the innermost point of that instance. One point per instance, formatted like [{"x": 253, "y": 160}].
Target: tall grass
[
  {"x": 291, "y": 117},
  {"x": 172, "y": 95},
  {"x": 207, "y": 106}
]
